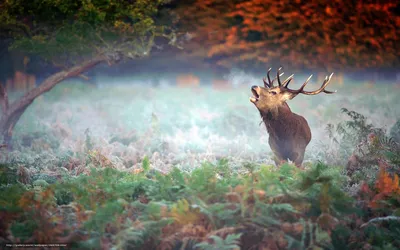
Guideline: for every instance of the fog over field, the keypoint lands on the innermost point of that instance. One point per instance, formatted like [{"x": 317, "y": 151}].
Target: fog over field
[{"x": 125, "y": 119}]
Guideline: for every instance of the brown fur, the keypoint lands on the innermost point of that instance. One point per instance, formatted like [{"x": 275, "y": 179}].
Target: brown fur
[{"x": 289, "y": 133}]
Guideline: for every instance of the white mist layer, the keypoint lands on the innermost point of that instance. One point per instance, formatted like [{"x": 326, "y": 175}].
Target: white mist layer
[{"x": 185, "y": 127}]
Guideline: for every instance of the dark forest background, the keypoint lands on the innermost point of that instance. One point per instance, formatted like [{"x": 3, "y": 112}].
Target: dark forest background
[{"x": 359, "y": 38}]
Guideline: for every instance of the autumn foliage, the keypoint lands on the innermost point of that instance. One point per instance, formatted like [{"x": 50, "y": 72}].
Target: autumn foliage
[
  {"x": 313, "y": 34},
  {"x": 387, "y": 186}
]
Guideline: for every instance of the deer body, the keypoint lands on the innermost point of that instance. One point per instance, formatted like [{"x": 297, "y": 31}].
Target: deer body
[{"x": 289, "y": 133}]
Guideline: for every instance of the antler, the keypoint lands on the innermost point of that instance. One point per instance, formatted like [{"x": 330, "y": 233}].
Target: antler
[
  {"x": 270, "y": 84},
  {"x": 285, "y": 84},
  {"x": 301, "y": 89}
]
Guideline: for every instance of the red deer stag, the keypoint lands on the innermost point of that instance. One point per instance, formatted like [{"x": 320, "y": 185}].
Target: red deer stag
[{"x": 289, "y": 133}]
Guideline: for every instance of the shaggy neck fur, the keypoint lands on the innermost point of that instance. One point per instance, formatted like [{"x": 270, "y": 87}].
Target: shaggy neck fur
[{"x": 275, "y": 118}]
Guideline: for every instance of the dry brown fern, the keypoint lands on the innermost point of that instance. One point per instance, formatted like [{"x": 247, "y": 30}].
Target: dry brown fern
[{"x": 24, "y": 175}]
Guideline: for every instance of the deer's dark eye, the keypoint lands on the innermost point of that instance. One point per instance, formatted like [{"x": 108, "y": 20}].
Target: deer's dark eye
[{"x": 273, "y": 93}]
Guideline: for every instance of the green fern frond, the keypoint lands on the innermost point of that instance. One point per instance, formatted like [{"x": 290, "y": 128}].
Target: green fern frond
[
  {"x": 134, "y": 237},
  {"x": 230, "y": 242}
]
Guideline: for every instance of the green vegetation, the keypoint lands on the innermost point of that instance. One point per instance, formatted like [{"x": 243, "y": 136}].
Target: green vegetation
[
  {"x": 209, "y": 208},
  {"x": 65, "y": 32},
  {"x": 101, "y": 186}
]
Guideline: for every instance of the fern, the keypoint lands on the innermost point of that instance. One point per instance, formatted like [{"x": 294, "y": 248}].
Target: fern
[
  {"x": 88, "y": 140},
  {"x": 135, "y": 237},
  {"x": 395, "y": 131},
  {"x": 312, "y": 237},
  {"x": 98, "y": 188},
  {"x": 391, "y": 151},
  {"x": 380, "y": 236},
  {"x": 146, "y": 164},
  {"x": 204, "y": 181},
  {"x": 353, "y": 134},
  {"x": 358, "y": 123},
  {"x": 322, "y": 187},
  {"x": 183, "y": 213},
  {"x": 8, "y": 174},
  {"x": 105, "y": 214},
  {"x": 10, "y": 196},
  {"x": 381, "y": 219},
  {"x": 23, "y": 229},
  {"x": 230, "y": 242},
  {"x": 268, "y": 215},
  {"x": 220, "y": 215},
  {"x": 136, "y": 211},
  {"x": 169, "y": 187}
]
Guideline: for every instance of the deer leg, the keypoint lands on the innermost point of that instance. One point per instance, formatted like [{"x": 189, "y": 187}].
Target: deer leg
[
  {"x": 278, "y": 158},
  {"x": 279, "y": 161},
  {"x": 298, "y": 159}
]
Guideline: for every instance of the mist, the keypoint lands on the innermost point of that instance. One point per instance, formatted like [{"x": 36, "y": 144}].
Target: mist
[{"x": 128, "y": 118}]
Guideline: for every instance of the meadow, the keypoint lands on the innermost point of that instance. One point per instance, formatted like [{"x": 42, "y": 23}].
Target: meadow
[
  {"x": 127, "y": 166},
  {"x": 186, "y": 126}
]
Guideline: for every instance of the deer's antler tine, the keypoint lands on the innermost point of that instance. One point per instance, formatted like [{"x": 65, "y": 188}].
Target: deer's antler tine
[
  {"x": 321, "y": 89},
  {"x": 278, "y": 74},
  {"x": 265, "y": 83},
  {"x": 329, "y": 92},
  {"x": 308, "y": 79},
  {"x": 273, "y": 80},
  {"x": 271, "y": 83},
  {"x": 327, "y": 79},
  {"x": 300, "y": 90},
  {"x": 287, "y": 81},
  {"x": 325, "y": 83},
  {"x": 304, "y": 84}
]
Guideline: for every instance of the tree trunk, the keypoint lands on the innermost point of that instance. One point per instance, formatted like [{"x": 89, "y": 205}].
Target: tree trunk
[{"x": 12, "y": 112}]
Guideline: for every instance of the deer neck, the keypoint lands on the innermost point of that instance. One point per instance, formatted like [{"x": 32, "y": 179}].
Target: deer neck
[{"x": 276, "y": 117}]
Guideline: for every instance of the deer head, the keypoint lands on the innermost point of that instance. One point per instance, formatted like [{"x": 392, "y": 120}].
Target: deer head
[{"x": 270, "y": 97}]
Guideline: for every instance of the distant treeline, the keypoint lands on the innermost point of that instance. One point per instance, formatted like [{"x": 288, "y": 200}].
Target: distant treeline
[
  {"x": 332, "y": 35},
  {"x": 358, "y": 38}
]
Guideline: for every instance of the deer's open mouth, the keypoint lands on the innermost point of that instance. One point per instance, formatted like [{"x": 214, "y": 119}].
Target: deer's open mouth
[{"x": 255, "y": 94}]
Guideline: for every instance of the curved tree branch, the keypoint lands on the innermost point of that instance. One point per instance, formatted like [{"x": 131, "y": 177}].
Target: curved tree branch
[
  {"x": 3, "y": 99},
  {"x": 12, "y": 113}
]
